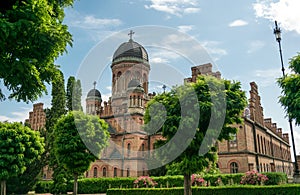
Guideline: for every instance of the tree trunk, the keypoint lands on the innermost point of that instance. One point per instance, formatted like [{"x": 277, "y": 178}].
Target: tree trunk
[
  {"x": 75, "y": 188},
  {"x": 187, "y": 184},
  {"x": 3, "y": 187}
]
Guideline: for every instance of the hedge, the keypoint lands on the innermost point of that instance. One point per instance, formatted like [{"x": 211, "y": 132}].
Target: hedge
[
  {"x": 276, "y": 178},
  {"x": 90, "y": 185},
  {"x": 221, "y": 190},
  {"x": 100, "y": 185}
]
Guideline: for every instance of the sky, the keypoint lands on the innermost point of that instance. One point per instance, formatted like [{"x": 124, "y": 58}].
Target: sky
[{"x": 235, "y": 36}]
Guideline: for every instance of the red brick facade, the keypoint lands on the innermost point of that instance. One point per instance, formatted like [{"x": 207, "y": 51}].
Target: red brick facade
[
  {"x": 259, "y": 144},
  {"x": 37, "y": 117}
]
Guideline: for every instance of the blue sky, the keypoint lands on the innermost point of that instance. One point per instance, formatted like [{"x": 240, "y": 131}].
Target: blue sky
[{"x": 238, "y": 36}]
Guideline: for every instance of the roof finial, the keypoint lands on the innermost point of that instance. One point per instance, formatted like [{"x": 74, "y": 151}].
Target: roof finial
[
  {"x": 130, "y": 34},
  {"x": 164, "y": 88},
  {"x": 94, "y": 83}
]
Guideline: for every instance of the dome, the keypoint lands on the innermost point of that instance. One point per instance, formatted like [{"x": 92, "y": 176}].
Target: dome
[
  {"x": 94, "y": 94},
  {"x": 134, "y": 83},
  {"x": 130, "y": 50}
]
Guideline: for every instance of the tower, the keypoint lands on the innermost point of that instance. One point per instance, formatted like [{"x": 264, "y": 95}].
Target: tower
[
  {"x": 124, "y": 113},
  {"x": 93, "y": 101}
]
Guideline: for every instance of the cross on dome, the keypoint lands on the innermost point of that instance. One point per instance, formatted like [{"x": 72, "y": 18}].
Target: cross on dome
[
  {"x": 94, "y": 83},
  {"x": 130, "y": 34}
]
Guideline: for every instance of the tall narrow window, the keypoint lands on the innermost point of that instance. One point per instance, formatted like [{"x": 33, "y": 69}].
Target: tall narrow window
[
  {"x": 104, "y": 171},
  {"x": 143, "y": 150},
  {"x": 128, "y": 172},
  {"x": 115, "y": 172},
  {"x": 258, "y": 143},
  {"x": 234, "y": 168},
  {"x": 95, "y": 172},
  {"x": 233, "y": 141},
  {"x": 128, "y": 149}
]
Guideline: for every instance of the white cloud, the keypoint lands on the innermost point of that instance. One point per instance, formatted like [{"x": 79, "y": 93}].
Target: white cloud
[
  {"x": 266, "y": 77},
  {"x": 174, "y": 7},
  {"x": 214, "y": 49},
  {"x": 238, "y": 23},
  {"x": 19, "y": 116},
  {"x": 109, "y": 88},
  {"x": 286, "y": 12},
  {"x": 185, "y": 28},
  {"x": 191, "y": 10},
  {"x": 159, "y": 60},
  {"x": 89, "y": 22},
  {"x": 255, "y": 46}
]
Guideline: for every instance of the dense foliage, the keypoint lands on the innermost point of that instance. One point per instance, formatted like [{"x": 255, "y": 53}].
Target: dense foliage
[
  {"x": 101, "y": 185},
  {"x": 32, "y": 37},
  {"x": 236, "y": 190},
  {"x": 74, "y": 93},
  {"x": 19, "y": 146},
  {"x": 82, "y": 137},
  {"x": 199, "y": 114},
  {"x": 254, "y": 178},
  {"x": 290, "y": 85},
  {"x": 58, "y": 109}
]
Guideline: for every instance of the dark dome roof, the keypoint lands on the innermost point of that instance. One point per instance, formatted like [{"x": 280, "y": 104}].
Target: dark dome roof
[
  {"x": 134, "y": 83},
  {"x": 94, "y": 93},
  {"x": 131, "y": 49}
]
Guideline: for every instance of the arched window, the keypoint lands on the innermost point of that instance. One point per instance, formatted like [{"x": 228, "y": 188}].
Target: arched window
[
  {"x": 95, "y": 172},
  {"x": 128, "y": 149},
  {"x": 115, "y": 172},
  {"x": 234, "y": 168},
  {"x": 104, "y": 171}
]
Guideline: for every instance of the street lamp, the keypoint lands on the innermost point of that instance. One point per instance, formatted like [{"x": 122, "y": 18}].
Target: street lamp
[{"x": 277, "y": 32}]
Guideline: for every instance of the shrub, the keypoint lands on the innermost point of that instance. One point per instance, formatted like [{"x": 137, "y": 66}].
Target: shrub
[
  {"x": 275, "y": 178},
  {"x": 253, "y": 178},
  {"x": 144, "y": 182},
  {"x": 169, "y": 181},
  {"x": 197, "y": 180},
  {"x": 227, "y": 179},
  {"x": 236, "y": 190}
]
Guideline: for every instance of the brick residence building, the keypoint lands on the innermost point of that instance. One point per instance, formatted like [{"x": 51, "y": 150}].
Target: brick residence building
[{"x": 259, "y": 144}]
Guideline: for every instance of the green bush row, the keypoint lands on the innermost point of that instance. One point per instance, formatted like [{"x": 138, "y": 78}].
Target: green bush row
[
  {"x": 221, "y": 190},
  {"x": 100, "y": 185}
]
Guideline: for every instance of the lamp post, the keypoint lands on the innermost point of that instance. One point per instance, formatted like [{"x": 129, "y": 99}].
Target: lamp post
[{"x": 277, "y": 33}]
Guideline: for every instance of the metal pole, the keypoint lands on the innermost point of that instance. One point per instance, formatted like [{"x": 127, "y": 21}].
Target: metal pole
[{"x": 296, "y": 171}]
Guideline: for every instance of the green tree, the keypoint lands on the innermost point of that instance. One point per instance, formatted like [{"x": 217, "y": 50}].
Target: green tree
[
  {"x": 74, "y": 93},
  {"x": 290, "y": 85},
  {"x": 20, "y": 146},
  {"x": 32, "y": 37},
  {"x": 58, "y": 108},
  {"x": 196, "y": 115},
  {"x": 82, "y": 137}
]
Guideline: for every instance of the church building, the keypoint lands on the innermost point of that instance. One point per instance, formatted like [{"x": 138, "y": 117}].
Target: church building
[{"x": 258, "y": 145}]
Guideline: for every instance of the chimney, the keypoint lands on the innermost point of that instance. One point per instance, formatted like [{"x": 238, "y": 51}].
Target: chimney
[{"x": 286, "y": 137}]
